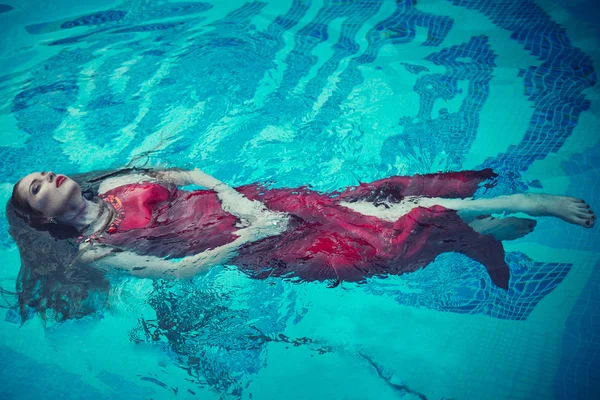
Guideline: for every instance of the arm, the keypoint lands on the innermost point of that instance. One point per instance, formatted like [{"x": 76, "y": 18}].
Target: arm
[
  {"x": 262, "y": 223},
  {"x": 108, "y": 258},
  {"x": 233, "y": 202}
]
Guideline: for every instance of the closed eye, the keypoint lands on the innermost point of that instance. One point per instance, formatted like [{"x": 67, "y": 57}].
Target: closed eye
[{"x": 34, "y": 187}]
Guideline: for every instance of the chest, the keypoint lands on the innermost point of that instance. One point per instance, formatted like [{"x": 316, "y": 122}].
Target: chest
[
  {"x": 157, "y": 221},
  {"x": 137, "y": 205}
]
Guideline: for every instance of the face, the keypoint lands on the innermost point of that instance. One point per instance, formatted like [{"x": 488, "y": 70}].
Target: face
[{"x": 52, "y": 195}]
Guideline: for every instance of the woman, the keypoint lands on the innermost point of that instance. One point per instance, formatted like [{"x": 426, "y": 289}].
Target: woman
[{"x": 139, "y": 222}]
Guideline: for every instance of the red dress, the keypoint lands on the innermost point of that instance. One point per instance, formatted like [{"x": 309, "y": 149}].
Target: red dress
[{"x": 324, "y": 240}]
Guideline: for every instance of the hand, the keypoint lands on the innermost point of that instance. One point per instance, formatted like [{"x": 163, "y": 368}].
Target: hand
[{"x": 267, "y": 224}]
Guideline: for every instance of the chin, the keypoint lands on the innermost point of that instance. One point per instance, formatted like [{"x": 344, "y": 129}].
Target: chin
[
  {"x": 71, "y": 185},
  {"x": 72, "y": 194}
]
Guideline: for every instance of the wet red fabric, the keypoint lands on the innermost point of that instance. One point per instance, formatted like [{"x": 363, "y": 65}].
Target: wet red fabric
[{"x": 324, "y": 241}]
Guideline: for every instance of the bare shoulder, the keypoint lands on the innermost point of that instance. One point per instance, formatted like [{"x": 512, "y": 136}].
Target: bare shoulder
[{"x": 111, "y": 183}]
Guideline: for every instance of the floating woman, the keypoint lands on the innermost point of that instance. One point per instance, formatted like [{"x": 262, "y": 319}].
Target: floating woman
[{"x": 70, "y": 232}]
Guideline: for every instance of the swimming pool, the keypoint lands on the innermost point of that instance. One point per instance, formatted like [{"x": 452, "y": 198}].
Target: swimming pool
[{"x": 322, "y": 93}]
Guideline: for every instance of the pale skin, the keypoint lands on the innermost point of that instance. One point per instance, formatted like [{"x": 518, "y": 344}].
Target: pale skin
[{"x": 64, "y": 203}]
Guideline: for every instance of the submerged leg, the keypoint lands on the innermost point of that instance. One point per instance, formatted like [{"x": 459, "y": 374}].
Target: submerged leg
[
  {"x": 393, "y": 189},
  {"x": 509, "y": 228}
]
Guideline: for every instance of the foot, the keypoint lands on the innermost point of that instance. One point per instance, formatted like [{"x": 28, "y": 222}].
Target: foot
[
  {"x": 509, "y": 228},
  {"x": 570, "y": 209}
]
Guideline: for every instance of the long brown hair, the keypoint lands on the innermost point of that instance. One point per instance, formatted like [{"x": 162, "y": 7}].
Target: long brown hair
[{"x": 52, "y": 280}]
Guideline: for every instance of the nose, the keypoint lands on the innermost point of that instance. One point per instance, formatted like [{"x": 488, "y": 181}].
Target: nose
[{"x": 50, "y": 176}]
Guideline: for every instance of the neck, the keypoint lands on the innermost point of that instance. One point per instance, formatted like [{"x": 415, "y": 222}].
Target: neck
[{"x": 83, "y": 216}]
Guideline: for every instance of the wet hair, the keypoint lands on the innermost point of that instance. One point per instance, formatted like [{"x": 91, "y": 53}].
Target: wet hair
[
  {"x": 53, "y": 281},
  {"x": 22, "y": 205}
]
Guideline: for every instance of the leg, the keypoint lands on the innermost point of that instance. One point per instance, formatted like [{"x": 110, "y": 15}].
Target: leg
[
  {"x": 393, "y": 189},
  {"x": 568, "y": 209},
  {"x": 509, "y": 228}
]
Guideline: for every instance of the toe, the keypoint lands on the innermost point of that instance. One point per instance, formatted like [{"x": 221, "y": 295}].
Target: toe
[
  {"x": 582, "y": 214},
  {"x": 577, "y": 220}
]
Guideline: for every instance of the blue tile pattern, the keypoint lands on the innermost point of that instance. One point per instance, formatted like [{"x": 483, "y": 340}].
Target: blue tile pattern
[
  {"x": 149, "y": 27},
  {"x": 192, "y": 318},
  {"x": 16, "y": 372},
  {"x": 5, "y": 8},
  {"x": 415, "y": 69},
  {"x": 578, "y": 375},
  {"x": 473, "y": 62},
  {"x": 455, "y": 283},
  {"x": 555, "y": 87},
  {"x": 175, "y": 9},
  {"x": 100, "y": 18}
]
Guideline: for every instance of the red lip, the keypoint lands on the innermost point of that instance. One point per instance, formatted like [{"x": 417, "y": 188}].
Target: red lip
[{"x": 59, "y": 180}]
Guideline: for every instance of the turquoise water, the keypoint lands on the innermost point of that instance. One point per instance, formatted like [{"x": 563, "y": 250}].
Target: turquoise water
[{"x": 328, "y": 94}]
